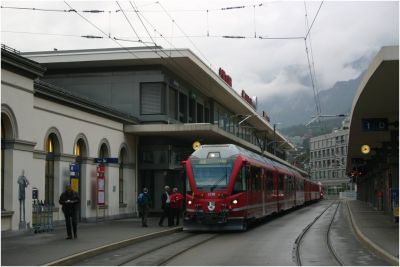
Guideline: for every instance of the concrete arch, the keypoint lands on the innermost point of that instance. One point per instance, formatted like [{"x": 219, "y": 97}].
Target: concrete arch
[
  {"x": 124, "y": 147},
  {"x": 10, "y": 122},
  {"x": 82, "y": 136},
  {"x": 58, "y": 147},
  {"x": 105, "y": 142}
]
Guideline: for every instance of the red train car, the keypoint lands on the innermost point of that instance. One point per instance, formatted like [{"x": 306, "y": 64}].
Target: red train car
[{"x": 229, "y": 186}]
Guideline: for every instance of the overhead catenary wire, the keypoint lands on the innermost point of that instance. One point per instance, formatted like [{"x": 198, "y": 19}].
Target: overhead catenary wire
[
  {"x": 104, "y": 33},
  {"x": 315, "y": 17},
  {"x": 311, "y": 65},
  {"x": 312, "y": 54},
  {"x": 133, "y": 10},
  {"x": 190, "y": 40},
  {"x": 129, "y": 22}
]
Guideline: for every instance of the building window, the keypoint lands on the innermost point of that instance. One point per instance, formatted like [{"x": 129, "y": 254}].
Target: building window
[
  {"x": 173, "y": 107},
  {"x": 192, "y": 110},
  {"x": 200, "y": 113},
  {"x": 78, "y": 150},
  {"x": 152, "y": 98},
  {"x": 207, "y": 115},
  {"x": 49, "y": 171},
  {"x": 182, "y": 108}
]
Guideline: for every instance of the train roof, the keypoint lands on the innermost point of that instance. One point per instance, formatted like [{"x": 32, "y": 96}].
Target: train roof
[{"x": 230, "y": 151}]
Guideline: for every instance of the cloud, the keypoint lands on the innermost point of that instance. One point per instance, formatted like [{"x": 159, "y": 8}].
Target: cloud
[{"x": 342, "y": 35}]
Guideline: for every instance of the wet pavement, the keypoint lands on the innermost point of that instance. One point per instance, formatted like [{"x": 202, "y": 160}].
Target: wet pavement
[{"x": 373, "y": 228}]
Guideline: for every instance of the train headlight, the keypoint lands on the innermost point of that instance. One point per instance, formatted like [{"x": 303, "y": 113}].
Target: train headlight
[
  {"x": 235, "y": 201},
  {"x": 189, "y": 202}
]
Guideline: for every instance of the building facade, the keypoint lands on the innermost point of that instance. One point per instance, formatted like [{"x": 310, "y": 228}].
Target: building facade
[
  {"x": 328, "y": 159},
  {"x": 128, "y": 115}
]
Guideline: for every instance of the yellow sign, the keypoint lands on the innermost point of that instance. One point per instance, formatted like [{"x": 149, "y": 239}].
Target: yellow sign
[
  {"x": 365, "y": 149},
  {"x": 75, "y": 184},
  {"x": 396, "y": 212},
  {"x": 196, "y": 145}
]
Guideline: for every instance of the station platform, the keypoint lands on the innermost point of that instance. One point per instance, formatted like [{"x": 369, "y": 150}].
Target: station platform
[{"x": 374, "y": 228}]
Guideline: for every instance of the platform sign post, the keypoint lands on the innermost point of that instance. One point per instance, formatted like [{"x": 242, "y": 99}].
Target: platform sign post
[
  {"x": 74, "y": 172},
  {"x": 100, "y": 185}
]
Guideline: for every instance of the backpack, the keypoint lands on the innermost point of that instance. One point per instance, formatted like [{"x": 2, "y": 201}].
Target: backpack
[{"x": 141, "y": 199}]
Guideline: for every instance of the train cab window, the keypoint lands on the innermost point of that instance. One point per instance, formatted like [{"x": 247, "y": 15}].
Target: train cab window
[
  {"x": 211, "y": 173},
  {"x": 240, "y": 182}
]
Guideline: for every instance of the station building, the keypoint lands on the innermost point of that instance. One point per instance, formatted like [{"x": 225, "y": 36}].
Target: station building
[
  {"x": 328, "y": 159},
  {"x": 373, "y": 150},
  {"x": 130, "y": 115}
]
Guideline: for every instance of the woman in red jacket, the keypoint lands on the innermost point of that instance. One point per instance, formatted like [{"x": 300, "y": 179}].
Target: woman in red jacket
[{"x": 176, "y": 199}]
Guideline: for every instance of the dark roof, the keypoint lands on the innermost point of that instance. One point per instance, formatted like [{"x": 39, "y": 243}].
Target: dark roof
[
  {"x": 11, "y": 60},
  {"x": 58, "y": 94}
]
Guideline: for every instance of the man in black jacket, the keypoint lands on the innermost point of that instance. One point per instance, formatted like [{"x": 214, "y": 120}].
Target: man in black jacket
[
  {"x": 69, "y": 201},
  {"x": 165, "y": 201}
]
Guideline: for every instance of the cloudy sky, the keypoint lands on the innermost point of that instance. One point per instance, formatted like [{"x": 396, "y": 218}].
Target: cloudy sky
[{"x": 342, "y": 40}]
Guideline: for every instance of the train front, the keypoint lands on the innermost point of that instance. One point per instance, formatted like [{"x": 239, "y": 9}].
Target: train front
[{"x": 210, "y": 205}]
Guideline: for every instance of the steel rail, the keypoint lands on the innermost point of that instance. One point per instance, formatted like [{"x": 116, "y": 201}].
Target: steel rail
[
  {"x": 177, "y": 253},
  {"x": 328, "y": 240},
  {"x": 305, "y": 230}
]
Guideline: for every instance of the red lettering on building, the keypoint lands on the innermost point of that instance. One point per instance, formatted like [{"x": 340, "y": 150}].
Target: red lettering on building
[
  {"x": 247, "y": 98},
  {"x": 225, "y": 77}
]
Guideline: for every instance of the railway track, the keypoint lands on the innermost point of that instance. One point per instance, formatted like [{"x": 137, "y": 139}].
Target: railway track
[
  {"x": 153, "y": 252},
  {"x": 326, "y": 254}
]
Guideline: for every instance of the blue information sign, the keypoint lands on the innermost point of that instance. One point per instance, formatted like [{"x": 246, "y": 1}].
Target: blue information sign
[
  {"x": 106, "y": 160},
  {"x": 374, "y": 124},
  {"x": 74, "y": 169}
]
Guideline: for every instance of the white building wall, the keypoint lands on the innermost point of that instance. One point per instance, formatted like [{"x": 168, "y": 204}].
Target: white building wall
[{"x": 36, "y": 118}]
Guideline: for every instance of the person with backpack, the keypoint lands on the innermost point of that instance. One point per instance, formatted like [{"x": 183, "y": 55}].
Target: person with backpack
[
  {"x": 176, "y": 204},
  {"x": 144, "y": 202}
]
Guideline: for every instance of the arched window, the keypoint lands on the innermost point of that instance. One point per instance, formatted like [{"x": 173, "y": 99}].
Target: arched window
[
  {"x": 9, "y": 133},
  {"x": 51, "y": 149},
  {"x": 103, "y": 151}
]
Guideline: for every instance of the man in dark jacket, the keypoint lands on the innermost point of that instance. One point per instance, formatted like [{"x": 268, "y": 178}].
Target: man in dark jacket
[
  {"x": 69, "y": 201},
  {"x": 144, "y": 202},
  {"x": 165, "y": 202}
]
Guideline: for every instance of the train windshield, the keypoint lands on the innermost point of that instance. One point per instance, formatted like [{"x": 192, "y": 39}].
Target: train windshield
[{"x": 210, "y": 174}]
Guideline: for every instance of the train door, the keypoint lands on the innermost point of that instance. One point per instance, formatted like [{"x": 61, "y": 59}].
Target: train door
[
  {"x": 280, "y": 191},
  {"x": 263, "y": 191},
  {"x": 269, "y": 192},
  {"x": 255, "y": 191}
]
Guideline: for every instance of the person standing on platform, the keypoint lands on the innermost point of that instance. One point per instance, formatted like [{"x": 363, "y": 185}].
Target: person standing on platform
[
  {"x": 176, "y": 205},
  {"x": 165, "y": 205},
  {"x": 144, "y": 202},
  {"x": 69, "y": 201}
]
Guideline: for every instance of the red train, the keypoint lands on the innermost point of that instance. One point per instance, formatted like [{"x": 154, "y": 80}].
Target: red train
[{"x": 229, "y": 186}]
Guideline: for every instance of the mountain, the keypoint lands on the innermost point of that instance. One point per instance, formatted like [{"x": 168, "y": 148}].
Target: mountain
[{"x": 299, "y": 107}]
